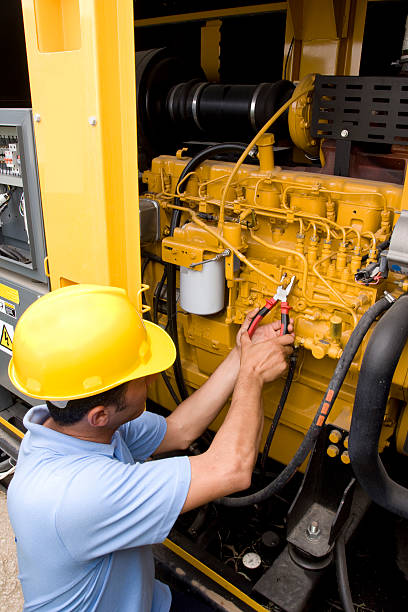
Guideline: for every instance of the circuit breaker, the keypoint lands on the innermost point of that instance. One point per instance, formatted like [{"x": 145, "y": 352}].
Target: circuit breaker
[{"x": 23, "y": 275}]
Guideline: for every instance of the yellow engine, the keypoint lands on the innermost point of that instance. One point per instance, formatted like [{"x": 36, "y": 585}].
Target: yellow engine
[{"x": 233, "y": 246}]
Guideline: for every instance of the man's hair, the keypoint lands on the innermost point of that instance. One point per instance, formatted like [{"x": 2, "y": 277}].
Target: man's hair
[{"x": 76, "y": 409}]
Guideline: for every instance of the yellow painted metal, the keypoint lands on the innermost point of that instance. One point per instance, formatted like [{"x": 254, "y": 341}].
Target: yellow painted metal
[
  {"x": 300, "y": 118},
  {"x": 214, "y": 576},
  {"x": 402, "y": 433},
  {"x": 82, "y": 77},
  {"x": 327, "y": 37},
  {"x": 238, "y": 11},
  {"x": 9, "y": 293},
  {"x": 312, "y": 225},
  {"x": 210, "y": 49},
  {"x": 10, "y": 427}
]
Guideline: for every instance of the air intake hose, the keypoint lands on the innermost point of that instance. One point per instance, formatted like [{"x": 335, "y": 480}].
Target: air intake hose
[{"x": 380, "y": 360}]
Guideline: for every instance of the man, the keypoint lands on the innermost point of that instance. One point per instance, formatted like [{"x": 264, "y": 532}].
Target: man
[{"x": 84, "y": 504}]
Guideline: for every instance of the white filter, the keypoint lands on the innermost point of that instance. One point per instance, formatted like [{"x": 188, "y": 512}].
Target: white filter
[{"x": 202, "y": 292}]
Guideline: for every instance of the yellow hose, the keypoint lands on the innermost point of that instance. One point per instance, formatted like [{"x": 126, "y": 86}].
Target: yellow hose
[{"x": 253, "y": 142}]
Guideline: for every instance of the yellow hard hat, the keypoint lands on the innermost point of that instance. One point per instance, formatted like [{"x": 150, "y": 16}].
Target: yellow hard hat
[{"x": 84, "y": 339}]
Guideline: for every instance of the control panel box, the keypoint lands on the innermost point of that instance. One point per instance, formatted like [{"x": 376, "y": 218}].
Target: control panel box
[{"x": 22, "y": 243}]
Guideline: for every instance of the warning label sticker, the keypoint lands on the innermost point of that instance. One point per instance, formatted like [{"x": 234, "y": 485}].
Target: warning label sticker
[
  {"x": 7, "y": 308},
  {"x": 6, "y": 339}
]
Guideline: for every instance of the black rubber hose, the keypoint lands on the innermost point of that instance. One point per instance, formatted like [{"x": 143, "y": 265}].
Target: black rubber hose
[
  {"x": 323, "y": 412},
  {"x": 157, "y": 295},
  {"x": 5, "y": 466},
  {"x": 380, "y": 360},
  {"x": 194, "y": 162},
  {"x": 148, "y": 255},
  {"x": 166, "y": 380},
  {"x": 342, "y": 575},
  {"x": 279, "y": 410}
]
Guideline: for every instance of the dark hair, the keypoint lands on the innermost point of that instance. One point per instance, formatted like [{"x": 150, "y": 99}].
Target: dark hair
[{"x": 76, "y": 409}]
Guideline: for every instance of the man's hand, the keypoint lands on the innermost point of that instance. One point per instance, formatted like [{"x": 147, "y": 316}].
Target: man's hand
[
  {"x": 226, "y": 467},
  {"x": 265, "y": 360},
  {"x": 262, "y": 332}
]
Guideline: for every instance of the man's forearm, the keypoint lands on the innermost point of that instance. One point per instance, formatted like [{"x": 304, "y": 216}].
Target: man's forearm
[
  {"x": 242, "y": 427},
  {"x": 193, "y": 416}
]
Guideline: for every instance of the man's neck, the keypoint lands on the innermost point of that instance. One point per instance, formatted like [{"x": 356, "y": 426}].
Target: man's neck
[{"x": 82, "y": 431}]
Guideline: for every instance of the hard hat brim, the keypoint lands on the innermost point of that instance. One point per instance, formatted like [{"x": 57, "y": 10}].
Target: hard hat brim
[
  {"x": 162, "y": 349},
  {"x": 163, "y": 354}
]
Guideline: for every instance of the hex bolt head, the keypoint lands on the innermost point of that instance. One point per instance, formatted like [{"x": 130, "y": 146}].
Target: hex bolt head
[
  {"x": 344, "y": 133},
  {"x": 313, "y": 530},
  {"x": 92, "y": 121},
  {"x": 37, "y": 117}
]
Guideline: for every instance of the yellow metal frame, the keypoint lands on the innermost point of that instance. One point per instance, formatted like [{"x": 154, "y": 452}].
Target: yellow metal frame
[
  {"x": 214, "y": 576},
  {"x": 238, "y": 11},
  {"x": 82, "y": 77},
  {"x": 5, "y": 424},
  {"x": 324, "y": 37}
]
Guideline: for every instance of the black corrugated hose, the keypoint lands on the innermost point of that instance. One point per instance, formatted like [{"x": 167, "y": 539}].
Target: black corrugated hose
[
  {"x": 208, "y": 153},
  {"x": 321, "y": 415},
  {"x": 377, "y": 370}
]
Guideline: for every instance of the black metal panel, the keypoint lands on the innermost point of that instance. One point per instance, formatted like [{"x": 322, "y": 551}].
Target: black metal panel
[{"x": 362, "y": 109}]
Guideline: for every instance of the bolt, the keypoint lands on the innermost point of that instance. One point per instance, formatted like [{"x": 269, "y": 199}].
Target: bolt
[
  {"x": 92, "y": 121},
  {"x": 313, "y": 530},
  {"x": 37, "y": 117},
  {"x": 335, "y": 436},
  {"x": 344, "y": 133},
  {"x": 332, "y": 450}
]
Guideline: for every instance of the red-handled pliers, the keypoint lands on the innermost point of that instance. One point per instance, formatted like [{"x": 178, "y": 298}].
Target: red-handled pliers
[{"x": 281, "y": 296}]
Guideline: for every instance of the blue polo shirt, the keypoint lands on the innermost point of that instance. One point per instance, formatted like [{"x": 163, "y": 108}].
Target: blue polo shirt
[{"x": 85, "y": 514}]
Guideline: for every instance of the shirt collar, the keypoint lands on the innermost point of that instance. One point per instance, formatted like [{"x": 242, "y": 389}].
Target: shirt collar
[{"x": 40, "y": 436}]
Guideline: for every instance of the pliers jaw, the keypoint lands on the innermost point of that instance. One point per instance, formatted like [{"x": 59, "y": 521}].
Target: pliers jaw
[{"x": 281, "y": 292}]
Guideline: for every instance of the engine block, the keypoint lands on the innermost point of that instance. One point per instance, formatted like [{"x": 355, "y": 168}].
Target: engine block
[{"x": 273, "y": 222}]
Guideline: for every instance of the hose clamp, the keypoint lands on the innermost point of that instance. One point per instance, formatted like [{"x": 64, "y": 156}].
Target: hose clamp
[
  {"x": 170, "y": 102},
  {"x": 253, "y": 106},
  {"x": 391, "y": 299},
  {"x": 194, "y": 104}
]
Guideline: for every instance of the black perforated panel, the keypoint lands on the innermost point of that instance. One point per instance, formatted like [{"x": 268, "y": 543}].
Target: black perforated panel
[{"x": 369, "y": 109}]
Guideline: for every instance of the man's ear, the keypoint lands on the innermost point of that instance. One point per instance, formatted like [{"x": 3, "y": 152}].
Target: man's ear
[{"x": 98, "y": 416}]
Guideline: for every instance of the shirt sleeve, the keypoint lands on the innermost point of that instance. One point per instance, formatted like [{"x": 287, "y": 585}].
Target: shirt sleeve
[
  {"x": 143, "y": 435},
  {"x": 110, "y": 505}
]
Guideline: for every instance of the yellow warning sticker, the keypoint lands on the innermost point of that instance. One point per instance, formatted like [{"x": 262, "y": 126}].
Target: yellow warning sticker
[
  {"x": 6, "y": 339},
  {"x": 9, "y": 293}
]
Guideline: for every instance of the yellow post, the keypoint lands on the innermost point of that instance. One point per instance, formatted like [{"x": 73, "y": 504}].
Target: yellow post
[
  {"x": 323, "y": 37},
  {"x": 82, "y": 76},
  {"x": 210, "y": 49}
]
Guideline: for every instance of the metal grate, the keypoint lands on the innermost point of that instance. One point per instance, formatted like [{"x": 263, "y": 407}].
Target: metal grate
[{"x": 363, "y": 109}]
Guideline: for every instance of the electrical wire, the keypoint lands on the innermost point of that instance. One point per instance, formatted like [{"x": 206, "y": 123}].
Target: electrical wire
[
  {"x": 342, "y": 575},
  {"x": 279, "y": 410},
  {"x": 166, "y": 380},
  {"x": 288, "y": 56},
  {"x": 157, "y": 295}
]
